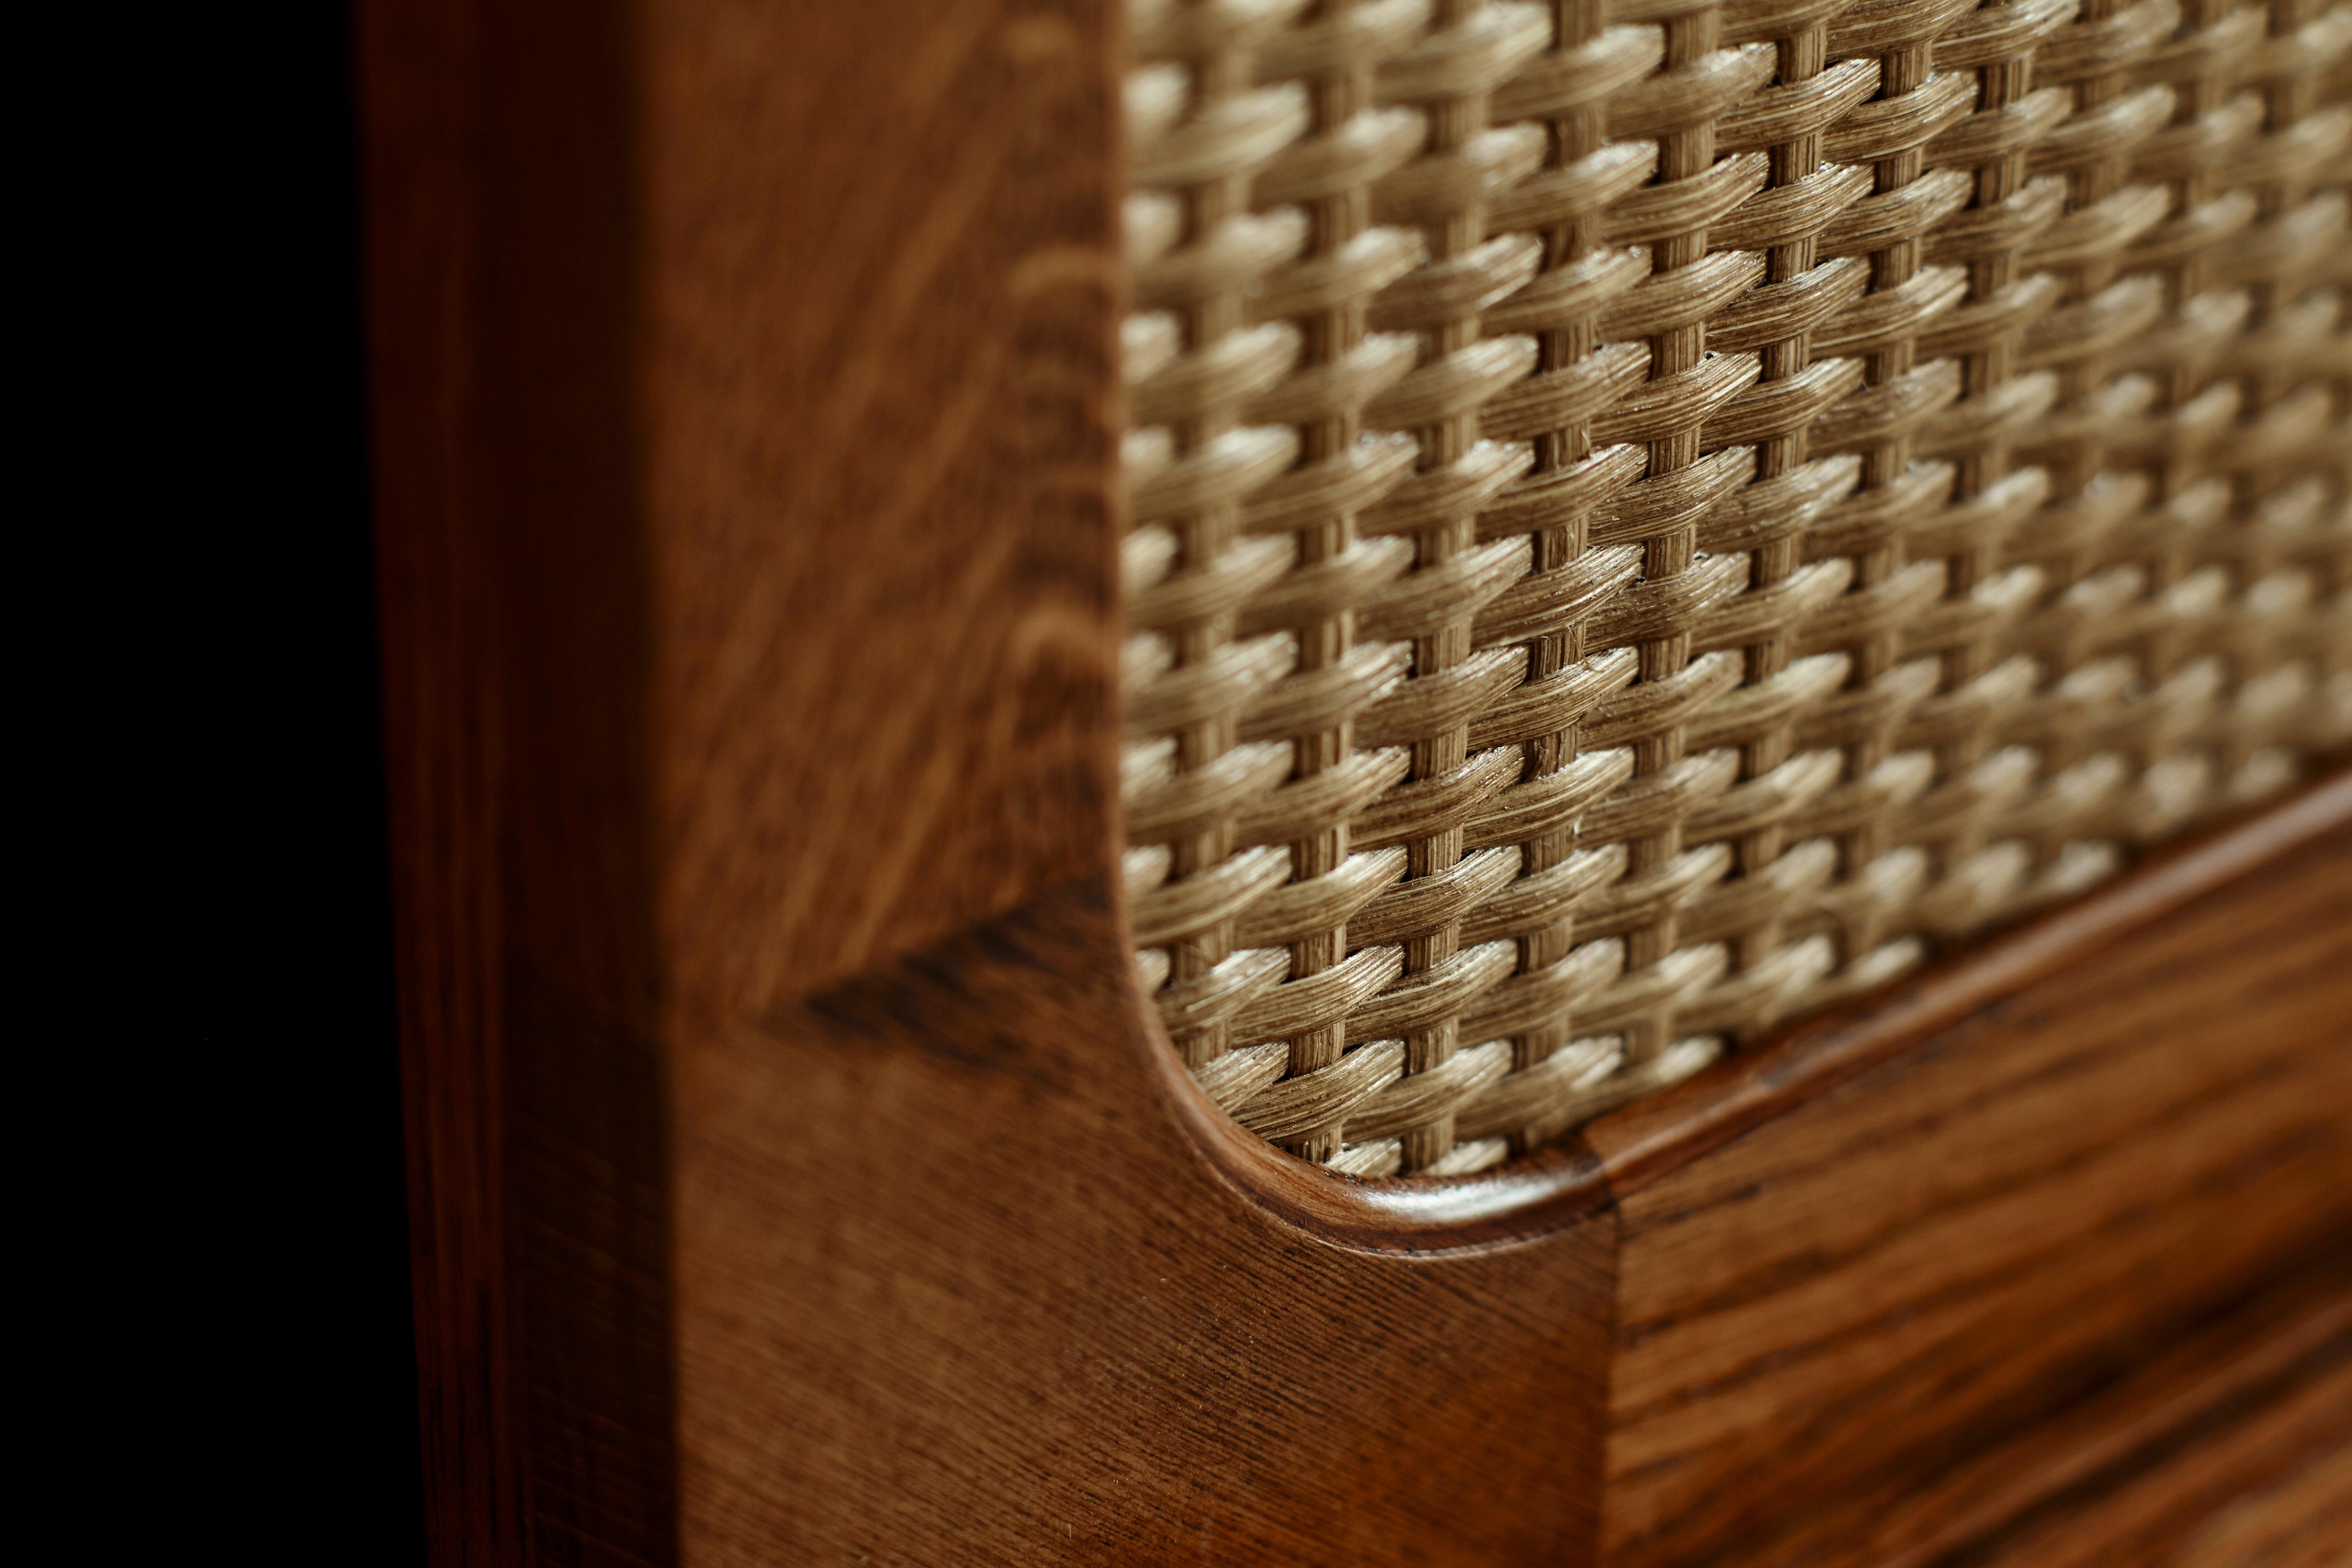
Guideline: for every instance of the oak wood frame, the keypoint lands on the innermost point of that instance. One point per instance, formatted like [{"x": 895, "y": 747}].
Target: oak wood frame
[{"x": 796, "y": 1174}]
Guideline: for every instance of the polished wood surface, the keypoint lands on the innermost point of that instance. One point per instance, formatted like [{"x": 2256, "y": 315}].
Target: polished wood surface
[
  {"x": 2232, "y": 1446},
  {"x": 1039, "y": 1310},
  {"x": 504, "y": 315},
  {"x": 1041, "y": 1330},
  {"x": 1858, "y": 1291},
  {"x": 796, "y": 1175},
  {"x": 2261, "y": 1480}
]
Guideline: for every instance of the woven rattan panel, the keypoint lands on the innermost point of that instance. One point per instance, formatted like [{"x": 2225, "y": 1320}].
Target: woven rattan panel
[{"x": 1646, "y": 514}]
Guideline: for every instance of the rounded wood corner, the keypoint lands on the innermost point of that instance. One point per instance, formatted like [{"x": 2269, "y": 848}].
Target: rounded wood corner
[
  {"x": 1529, "y": 1198},
  {"x": 1520, "y": 1201}
]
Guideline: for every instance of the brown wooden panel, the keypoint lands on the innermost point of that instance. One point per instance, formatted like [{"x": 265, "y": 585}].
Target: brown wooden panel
[
  {"x": 2234, "y": 1447},
  {"x": 1940, "y": 1249},
  {"x": 707, "y": 342},
  {"x": 880, "y": 402},
  {"x": 796, "y": 1174},
  {"x": 953, "y": 1288},
  {"x": 512, "y": 568},
  {"x": 2269, "y": 1488}
]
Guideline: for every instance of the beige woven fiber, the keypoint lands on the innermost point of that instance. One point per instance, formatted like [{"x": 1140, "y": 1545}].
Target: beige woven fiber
[{"x": 1646, "y": 514}]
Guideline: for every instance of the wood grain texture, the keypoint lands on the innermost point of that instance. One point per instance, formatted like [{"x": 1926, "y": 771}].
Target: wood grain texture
[
  {"x": 1937, "y": 1252},
  {"x": 879, "y": 396},
  {"x": 952, "y": 1282},
  {"x": 502, "y": 303},
  {"x": 926, "y": 1247},
  {"x": 2269, "y": 1488},
  {"x": 1043, "y": 1331},
  {"x": 2229, "y": 1448},
  {"x": 797, "y": 1176},
  {"x": 1661, "y": 1134}
]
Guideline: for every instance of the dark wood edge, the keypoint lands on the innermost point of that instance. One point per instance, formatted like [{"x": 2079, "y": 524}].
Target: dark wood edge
[
  {"x": 1627, "y": 1149},
  {"x": 2256, "y": 1348},
  {"x": 1518, "y": 1202},
  {"x": 1646, "y": 1141}
]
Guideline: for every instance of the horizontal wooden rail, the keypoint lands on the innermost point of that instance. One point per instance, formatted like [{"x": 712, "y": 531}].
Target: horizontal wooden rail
[{"x": 1628, "y": 1150}]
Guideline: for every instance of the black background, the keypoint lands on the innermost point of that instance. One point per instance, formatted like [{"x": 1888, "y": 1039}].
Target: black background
[{"x": 224, "y": 764}]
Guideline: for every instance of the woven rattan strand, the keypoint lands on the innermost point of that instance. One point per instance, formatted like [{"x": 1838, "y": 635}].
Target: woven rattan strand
[{"x": 1648, "y": 514}]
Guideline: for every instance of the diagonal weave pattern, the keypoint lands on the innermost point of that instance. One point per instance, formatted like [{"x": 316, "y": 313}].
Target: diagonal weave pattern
[{"x": 1646, "y": 512}]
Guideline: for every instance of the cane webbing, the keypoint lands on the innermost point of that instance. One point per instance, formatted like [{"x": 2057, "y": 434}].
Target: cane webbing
[{"x": 1646, "y": 512}]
